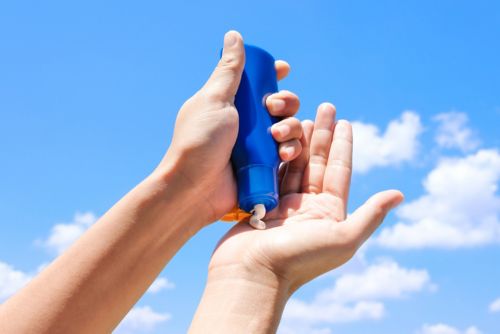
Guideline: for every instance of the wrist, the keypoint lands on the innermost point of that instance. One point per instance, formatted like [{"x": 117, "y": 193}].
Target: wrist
[
  {"x": 169, "y": 182},
  {"x": 237, "y": 300},
  {"x": 250, "y": 275}
]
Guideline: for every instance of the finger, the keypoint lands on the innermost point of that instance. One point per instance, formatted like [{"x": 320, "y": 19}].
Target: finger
[
  {"x": 290, "y": 150},
  {"x": 319, "y": 148},
  {"x": 282, "y": 171},
  {"x": 282, "y": 69},
  {"x": 287, "y": 129},
  {"x": 292, "y": 180},
  {"x": 283, "y": 104},
  {"x": 225, "y": 79},
  {"x": 365, "y": 220},
  {"x": 339, "y": 166},
  {"x": 307, "y": 130}
]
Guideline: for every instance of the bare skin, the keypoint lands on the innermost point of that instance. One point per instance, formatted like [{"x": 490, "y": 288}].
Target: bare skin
[
  {"x": 93, "y": 285},
  {"x": 252, "y": 273}
]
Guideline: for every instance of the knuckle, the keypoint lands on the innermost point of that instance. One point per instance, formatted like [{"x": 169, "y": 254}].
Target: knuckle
[
  {"x": 295, "y": 122},
  {"x": 272, "y": 96},
  {"x": 297, "y": 103},
  {"x": 214, "y": 93},
  {"x": 295, "y": 126},
  {"x": 230, "y": 62},
  {"x": 307, "y": 123},
  {"x": 319, "y": 158},
  {"x": 312, "y": 188},
  {"x": 340, "y": 163},
  {"x": 296, "y": 143}
]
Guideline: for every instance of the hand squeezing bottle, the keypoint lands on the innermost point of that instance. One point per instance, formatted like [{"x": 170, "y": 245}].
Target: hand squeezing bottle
[{"x": 255, "y": 156}]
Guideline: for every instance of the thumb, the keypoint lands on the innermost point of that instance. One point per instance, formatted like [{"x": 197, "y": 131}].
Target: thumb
[
  {"x": 365, "y": 220},
  {"x": 225, "y": 79}
]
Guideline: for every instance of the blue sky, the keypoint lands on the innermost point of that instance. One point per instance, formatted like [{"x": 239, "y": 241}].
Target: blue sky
[{"x": 88, "y": 97}]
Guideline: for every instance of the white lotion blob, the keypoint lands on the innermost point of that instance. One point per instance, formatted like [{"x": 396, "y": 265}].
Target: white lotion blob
[{"x": 258, "y": 212}]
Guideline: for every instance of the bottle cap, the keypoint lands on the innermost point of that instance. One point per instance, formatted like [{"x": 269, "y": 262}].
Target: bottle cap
[{"x": 235, "y": 215}]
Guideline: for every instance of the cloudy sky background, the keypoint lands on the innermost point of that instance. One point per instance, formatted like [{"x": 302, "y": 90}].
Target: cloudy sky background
[{"x": 88, "y": 98}]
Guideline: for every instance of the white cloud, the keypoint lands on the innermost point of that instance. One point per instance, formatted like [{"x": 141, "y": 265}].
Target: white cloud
[
  {"x": 355, "y": 296},
  {"x": 332, "y": 312},
  {"x": 159, "y": 284},
  {"x": 495, "y": 306},
  {"x": 302, "y": 328},
  {"x": 11, "y": 280},
  {"x": 446, "y": 329},
  {"x": 383, "y": 280},
  {"x": 459, "y": 209},
  {"x": 63, "y": 235},
  {"x": 454, "y": 133},
  {"x": 60, "y": 238},
  {"x": 141, "y": 319},
  {"x": 399, "y": 142}
]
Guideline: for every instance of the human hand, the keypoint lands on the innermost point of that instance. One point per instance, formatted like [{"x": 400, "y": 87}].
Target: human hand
[
  {"x": 309, "y": 233},
  {"x": 207, "y": 126}
]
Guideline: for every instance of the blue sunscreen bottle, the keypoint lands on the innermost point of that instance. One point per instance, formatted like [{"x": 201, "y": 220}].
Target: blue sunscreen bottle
[{"x": 255, "y": 156}]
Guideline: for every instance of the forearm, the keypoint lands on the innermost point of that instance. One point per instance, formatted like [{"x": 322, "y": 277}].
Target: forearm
[
  {"x": 90, "y": 287},
  {"x": 238, "y": 301}
]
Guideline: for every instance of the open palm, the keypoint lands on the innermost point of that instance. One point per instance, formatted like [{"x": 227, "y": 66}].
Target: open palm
[{"x": 309, "y": 233}]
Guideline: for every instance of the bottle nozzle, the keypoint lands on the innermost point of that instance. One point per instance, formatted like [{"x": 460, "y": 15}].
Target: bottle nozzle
[{"x": 258, "y": 212}]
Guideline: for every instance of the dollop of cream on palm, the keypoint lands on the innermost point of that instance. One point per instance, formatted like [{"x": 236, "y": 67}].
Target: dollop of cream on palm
[{"x": 258, "y": 212}]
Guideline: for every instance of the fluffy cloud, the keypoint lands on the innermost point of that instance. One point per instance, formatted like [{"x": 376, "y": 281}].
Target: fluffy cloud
[
  {"x": 284, "y": 329},
  {"x": 141, "y": 319},
  {"x": 333, "y": 312},
  {"x": 495, "y": 306},
  {"x": 399, "y": 142},
  {"x": 385, "y": 279},
  {"x": 355, "y": 296},
  {"x": 446, "y": 329},
  {"x": 459, "y": 209},
  {"x": 60, "y": 238},
  {"x": 159, "y": 284},
  {"x": 454, "y": 133},
  {"x": 63, "y": 235},
  {"x": 11, "y": 280}
]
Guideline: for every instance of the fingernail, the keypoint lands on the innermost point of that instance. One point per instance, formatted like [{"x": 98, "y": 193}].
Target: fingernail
[
  {"x": 289, "y": 152},
  {"x": 283, "y": 130},
  {"x": 229, "y": 39},
  {"x": 277, "y": 104}
]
